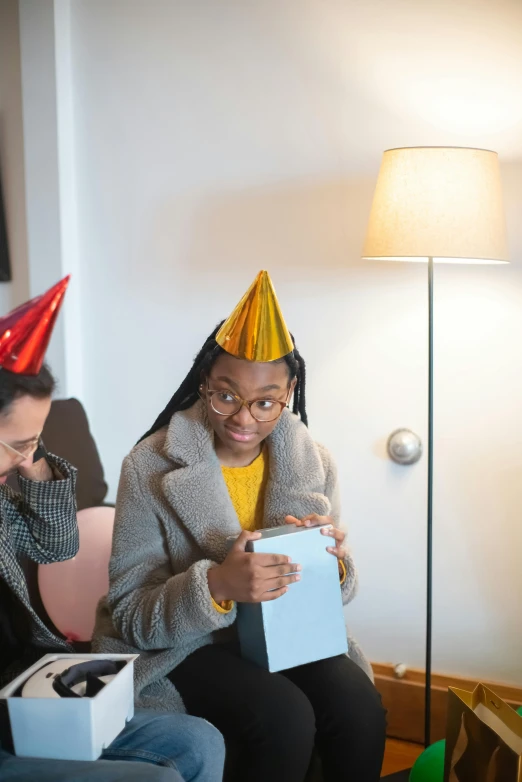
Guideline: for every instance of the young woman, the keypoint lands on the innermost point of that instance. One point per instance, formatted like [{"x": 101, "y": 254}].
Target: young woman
[{"x": 227, "y": 458}]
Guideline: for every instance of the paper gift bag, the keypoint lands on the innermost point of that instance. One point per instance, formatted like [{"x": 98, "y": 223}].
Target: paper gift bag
[{"x": 483, "y": 738}]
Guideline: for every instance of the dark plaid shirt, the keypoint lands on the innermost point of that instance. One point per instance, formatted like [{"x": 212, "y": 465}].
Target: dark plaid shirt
[{"x": 39, "y": 523}]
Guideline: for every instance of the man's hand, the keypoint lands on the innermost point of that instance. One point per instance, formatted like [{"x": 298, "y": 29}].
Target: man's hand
[
  {"x": 38, "y": 471},
  {"x": 251, "y": 578},
  {"x": 330, "y": 531}
]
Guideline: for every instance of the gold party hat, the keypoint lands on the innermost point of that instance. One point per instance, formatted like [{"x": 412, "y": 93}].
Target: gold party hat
[{"x": 256, "y": 330}]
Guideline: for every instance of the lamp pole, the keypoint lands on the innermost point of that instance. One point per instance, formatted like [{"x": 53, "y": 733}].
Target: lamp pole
[{"x": 429, "y": 558}]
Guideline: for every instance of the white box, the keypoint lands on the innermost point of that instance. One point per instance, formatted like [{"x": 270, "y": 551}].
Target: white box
[{"x": 70, "y": 728}]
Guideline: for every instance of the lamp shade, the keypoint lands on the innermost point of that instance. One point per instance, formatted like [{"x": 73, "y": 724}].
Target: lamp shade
[{"x": 439, "y": 202}]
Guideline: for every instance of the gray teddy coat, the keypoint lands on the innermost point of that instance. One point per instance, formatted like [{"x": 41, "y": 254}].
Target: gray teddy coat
[{"x": 173, "y": 518}]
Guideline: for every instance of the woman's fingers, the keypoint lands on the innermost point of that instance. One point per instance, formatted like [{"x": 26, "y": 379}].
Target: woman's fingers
[
  {"x": 330, "y": 531},
  {"x": 335, "y": 533},
  {"x": 281, "y": 581},
  {"x": 269, "y": 573},
  {"x": 337, "y": 551},
  {"x": 278, "y": 586},
  {"x": 244, "y": 538},
  {"x": 271, "y": 560},
  {"x": 312, "y": 520},
  {"x": 274, "y": 595},
  {"x": 272, "y": 565}
]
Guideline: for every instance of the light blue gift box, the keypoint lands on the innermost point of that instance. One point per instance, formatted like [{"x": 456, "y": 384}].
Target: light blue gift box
[{"x": 307, "y": 623}]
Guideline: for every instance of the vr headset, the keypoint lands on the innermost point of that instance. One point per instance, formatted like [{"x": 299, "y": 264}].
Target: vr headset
[{"x": 85, "y": 679}]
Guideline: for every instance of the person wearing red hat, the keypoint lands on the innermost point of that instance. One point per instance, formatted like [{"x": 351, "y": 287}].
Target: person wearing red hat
[{"x": 40, "y": 523}]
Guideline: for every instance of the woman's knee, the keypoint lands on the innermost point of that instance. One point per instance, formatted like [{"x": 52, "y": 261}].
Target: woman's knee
[
  {"x": 363, "y": 697},
  {"x": 365, "y": 711},
  {"x": 343, "y": 696},
  {"x": 285, "y": 718},
  {"x": 295, "y": 715},
  {"x": 278, "y": 733},
  {"x": 372, "y": 709}
]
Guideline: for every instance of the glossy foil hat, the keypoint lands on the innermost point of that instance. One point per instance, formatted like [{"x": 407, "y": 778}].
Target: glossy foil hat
[
  {"x": 25, "y": 332},
  {"x": 256, "y": 330}
]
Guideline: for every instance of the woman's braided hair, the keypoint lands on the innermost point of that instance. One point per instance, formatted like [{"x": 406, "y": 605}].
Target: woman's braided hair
[{"x": 188, "y": 392}]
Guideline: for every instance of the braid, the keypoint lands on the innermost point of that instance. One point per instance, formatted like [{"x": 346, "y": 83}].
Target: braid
[
  {"x": 188, "y": 392},
  {"x": 297, "y": 366},
  {"x": 301, "y": 402}
]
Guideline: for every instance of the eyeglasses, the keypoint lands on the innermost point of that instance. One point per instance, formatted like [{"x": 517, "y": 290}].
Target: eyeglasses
[
  {"x": 25, "y": 452},
  {"x": 262, "y": 410}
]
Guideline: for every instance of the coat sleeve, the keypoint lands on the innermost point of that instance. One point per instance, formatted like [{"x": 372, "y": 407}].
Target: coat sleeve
[
  {"x": 350, "y": 585},
  {"x": 153, "y": 607},
  {"x": 43, "y": 515}
]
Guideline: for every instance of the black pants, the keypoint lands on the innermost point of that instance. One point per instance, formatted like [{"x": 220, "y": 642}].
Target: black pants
[{"x": 271, "y": 721}]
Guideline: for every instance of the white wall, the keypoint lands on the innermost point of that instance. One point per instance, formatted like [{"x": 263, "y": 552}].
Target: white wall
[
  {"x": 12, "y": 156},
  {"x": 49, "y": 169},
  {"x": 215, "y": 139}
]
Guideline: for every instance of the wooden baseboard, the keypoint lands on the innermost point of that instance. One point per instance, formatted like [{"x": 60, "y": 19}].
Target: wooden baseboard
[{"x": 404, "y": 700}]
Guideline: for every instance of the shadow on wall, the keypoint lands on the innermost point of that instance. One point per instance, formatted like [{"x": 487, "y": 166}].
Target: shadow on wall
[
  {"x": 12, "y": 201},
  {"x": 300, "y": 228}
]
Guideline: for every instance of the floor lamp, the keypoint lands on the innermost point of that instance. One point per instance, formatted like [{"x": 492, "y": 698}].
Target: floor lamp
[{"x": 436, "y": 205}]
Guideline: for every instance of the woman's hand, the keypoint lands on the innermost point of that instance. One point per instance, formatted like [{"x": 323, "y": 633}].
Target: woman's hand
[
  {"x": 251, "y": 578},
  {"x": 331, "y": 531}
]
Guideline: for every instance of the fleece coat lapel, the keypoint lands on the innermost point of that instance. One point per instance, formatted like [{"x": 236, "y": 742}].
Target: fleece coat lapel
[
  {"x": 198, "y": 494},
  {"x": 196, "y": 489},
  {"x": 296, "y": 476}
]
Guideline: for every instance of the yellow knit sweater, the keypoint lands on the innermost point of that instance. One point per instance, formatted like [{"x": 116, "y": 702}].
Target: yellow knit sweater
[{"x": 246, "y": 486}]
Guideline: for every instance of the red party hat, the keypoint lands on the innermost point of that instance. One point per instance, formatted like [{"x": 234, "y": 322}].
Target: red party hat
[{"x": 25, "y": 332}]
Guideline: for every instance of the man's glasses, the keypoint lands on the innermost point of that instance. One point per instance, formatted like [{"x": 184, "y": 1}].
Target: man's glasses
[{"x": 25, "y": 452}]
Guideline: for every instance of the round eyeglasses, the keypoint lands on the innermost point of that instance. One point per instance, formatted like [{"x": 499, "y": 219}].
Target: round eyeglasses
[{"x": 262, "y": 410}]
